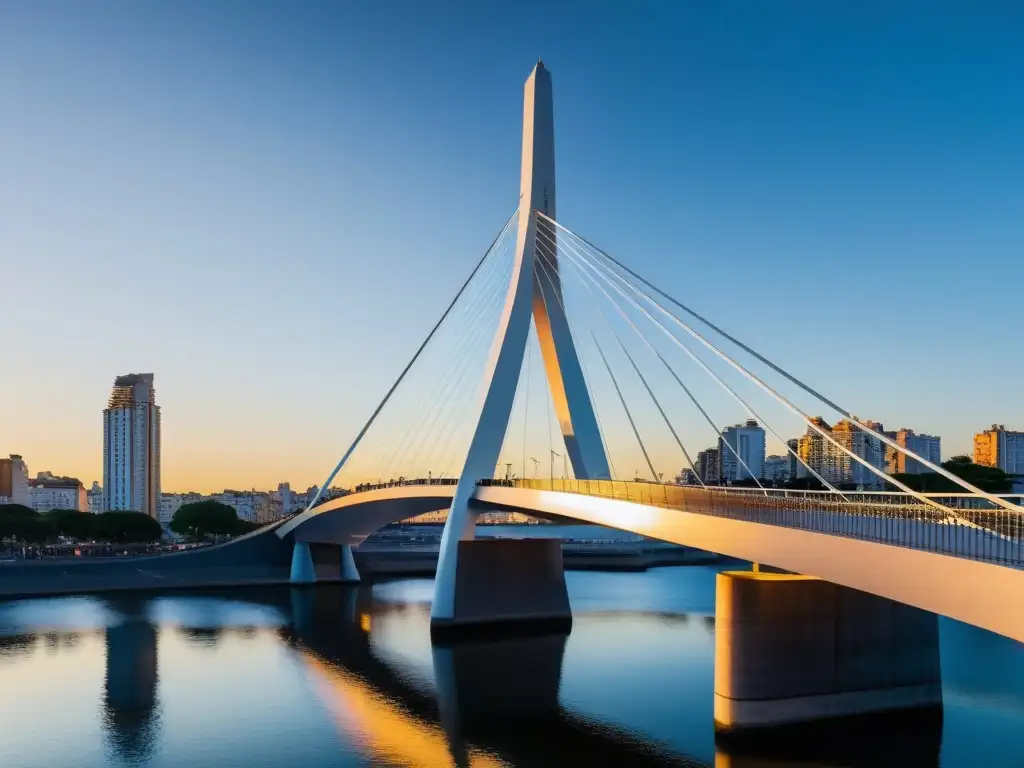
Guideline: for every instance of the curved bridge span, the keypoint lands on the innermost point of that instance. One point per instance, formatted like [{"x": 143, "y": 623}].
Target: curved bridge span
[{"x": 966, "y": 567}]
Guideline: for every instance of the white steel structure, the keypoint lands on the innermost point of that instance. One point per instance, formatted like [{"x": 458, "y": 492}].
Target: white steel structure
[
  {"x": 527, "y": 296},
  {"x": 131, "y": 446}
]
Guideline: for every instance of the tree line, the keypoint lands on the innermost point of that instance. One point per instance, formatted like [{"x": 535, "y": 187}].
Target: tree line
[
  {"x": 25, "y": 525},
  {"x": 196, "y": 521}
]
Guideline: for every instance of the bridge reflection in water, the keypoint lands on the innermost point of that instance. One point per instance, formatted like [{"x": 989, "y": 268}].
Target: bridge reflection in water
[
  {"x": 131, "y": 711},
  {"x": 497, "y": 703},
  {"x": 493, "y": 703},
  {"x": 487, "y": 704}
]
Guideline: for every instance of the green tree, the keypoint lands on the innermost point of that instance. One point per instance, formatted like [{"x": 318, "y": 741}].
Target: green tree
[
  {"x": 127, "y": 527},
  {"x": 30, "y": 530},
  {"x": 16, "y": 511},
  {"x": 22, "y": 524},
  {"x": 988, "y": 479},
  {"x": 205, "y": 518},
  {"x": 80, "y": 526},
  {"x": 244, "y": 526}
]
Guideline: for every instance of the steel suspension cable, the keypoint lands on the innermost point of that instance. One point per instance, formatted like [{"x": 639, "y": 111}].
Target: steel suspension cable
[
  {"x": 447, "y": 394},
  {"x": 401, "y": 376},
  {"x": 686, "y": 454},
  {"x": 401, "y": 432},
  {"x": 796, "y": 410},
  {"x": 806, "y": 388},
  {"x": 451, "y": 425},
  {"x": 430, "y": 395},
  {"x": 622, "y": 399},
  {"x": 569, "y": 252},
  {"x": 707, "y": 370}
]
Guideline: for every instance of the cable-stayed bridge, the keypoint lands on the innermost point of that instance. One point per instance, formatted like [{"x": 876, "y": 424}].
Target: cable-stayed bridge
[
  {"x": 632, "y": 382},
  {"x": 561, "y": 383},
  {"x": 554, "y": 348}
]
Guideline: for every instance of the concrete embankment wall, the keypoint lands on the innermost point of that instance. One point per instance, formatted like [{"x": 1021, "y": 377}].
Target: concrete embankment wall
[
  {"x": 264, "y": 559},
  {"x": 260, "y": 558}
]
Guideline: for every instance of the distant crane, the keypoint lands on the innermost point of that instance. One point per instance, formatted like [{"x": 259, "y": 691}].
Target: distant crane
[{"x": 536, "y": 462}]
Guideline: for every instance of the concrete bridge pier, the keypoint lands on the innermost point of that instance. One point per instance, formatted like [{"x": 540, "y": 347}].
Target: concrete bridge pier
[
  {"x": 793, "y": 649},
  {"x": 313, "y": 562},
  {"x": 303, "y": 571},
  {"x": 502, "y": 586}
]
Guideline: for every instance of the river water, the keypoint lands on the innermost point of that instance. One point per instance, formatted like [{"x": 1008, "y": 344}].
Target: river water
[{"x": 337, "y": 676}]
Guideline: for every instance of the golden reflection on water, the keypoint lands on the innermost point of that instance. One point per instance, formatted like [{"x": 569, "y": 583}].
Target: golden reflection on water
[{"x": 367, "y": 717}]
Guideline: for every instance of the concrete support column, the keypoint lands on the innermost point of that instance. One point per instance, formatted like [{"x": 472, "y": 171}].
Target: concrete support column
[
  {"x": 303, "y": 571},
  {"x": 791, "y": 649},
  {"x": 504, "y": 584},
  {"x": 348, "y": 570}
]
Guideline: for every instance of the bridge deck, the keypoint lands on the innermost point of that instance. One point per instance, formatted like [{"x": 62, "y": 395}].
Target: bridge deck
[
  {"x": 969, "y": 530},
  {"x": 963, "y": 525}
]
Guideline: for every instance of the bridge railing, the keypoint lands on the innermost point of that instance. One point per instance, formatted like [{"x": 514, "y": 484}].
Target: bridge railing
[{"x": 965, "y": 526}]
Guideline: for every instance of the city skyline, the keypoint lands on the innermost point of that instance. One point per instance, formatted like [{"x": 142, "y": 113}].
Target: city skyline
[
  {"x": 252, "y": 215},
  {"x": 768, "y": 449}
]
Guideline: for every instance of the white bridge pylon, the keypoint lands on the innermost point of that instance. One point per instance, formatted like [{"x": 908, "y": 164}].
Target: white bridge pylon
[{"x": 528, "y": 296}]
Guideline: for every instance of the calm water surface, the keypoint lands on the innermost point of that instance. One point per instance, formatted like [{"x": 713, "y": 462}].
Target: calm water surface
[{"x": 347, "y": 677}]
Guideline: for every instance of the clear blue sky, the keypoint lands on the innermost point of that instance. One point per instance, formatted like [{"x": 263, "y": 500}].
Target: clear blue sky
[{"x": 266, "y": 203}]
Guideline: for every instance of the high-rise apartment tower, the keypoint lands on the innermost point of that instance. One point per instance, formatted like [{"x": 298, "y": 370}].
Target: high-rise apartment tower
[{"x": 131, "y": 446}]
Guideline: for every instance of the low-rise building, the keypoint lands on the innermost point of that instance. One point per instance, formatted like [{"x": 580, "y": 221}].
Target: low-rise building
[
  {"x": 776, "y": 469},
  {"x": 52, "y": 492},
  {"x": 172, "y": 502},
  {"x": 248, "y": 505}
]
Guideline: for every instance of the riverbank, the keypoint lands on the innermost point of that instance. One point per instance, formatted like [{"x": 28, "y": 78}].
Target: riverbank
[{"x": 43, "y": 578}]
